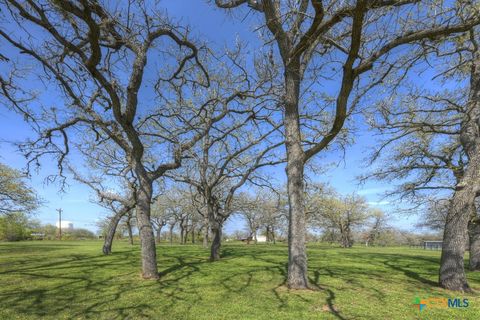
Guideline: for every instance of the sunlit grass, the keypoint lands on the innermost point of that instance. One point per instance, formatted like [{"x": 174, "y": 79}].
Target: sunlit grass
[{"x": 63, "y": 280}]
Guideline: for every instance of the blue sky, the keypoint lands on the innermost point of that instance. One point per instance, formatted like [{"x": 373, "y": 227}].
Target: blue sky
[{"x": 219, "y": 29}]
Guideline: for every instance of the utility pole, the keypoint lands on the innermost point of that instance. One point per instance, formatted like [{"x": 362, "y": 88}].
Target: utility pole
[{"x": 60, "y": 223}]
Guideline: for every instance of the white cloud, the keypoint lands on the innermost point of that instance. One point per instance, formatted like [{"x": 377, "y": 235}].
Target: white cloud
[{"x": 378, "y": 203}]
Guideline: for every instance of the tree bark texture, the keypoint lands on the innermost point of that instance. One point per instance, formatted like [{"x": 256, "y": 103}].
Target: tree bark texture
[
  {"x": 129, "y": 230},
  {"x": 205, "y": 234},
  {"x": 346, "y": 237},
  {"x": 171, "y": 233},
  {"x": 273, "y": 235},
  {"x": 297, "y": 256},
  {"x": 474, "y": 236},
  {"x": 182, "y": 231},
  {"x": 159, "y": 233},
  {"x": 216, "y": 242},
  {"x": 452, "y": 273},
  {"x": 147, "y": 239},
  {"x": 216, "y": 225},
  {"x": 192, "y": 231}
]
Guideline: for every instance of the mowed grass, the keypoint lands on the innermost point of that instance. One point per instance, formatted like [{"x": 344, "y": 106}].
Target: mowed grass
[{"x": 73, "y": 280}]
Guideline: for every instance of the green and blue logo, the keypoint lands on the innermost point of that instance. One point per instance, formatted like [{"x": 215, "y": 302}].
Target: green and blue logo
[{"x": 422, "y": 304}]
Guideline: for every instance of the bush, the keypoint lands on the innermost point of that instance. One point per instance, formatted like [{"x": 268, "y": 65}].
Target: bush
[
  {"x": 14, "y": 227},
  {"x": 78, "y": 234}
]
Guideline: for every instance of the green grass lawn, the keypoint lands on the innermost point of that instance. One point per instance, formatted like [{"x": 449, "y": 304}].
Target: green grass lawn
[{"x": 73, "y": 280}]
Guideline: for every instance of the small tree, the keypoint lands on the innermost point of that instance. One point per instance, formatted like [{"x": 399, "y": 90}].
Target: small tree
[
  {"x": 15, "y": 195},
  {"x": 160, "y": 216},
  {"x": 261, "y": 209},
  {"x": 377, "y": 226},
  {"x": 330, "y": 211},
  {"x": 15, "y": 226}
]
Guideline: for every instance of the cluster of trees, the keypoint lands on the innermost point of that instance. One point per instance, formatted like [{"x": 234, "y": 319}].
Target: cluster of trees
[
  {"x": 15, "y": 195},
  {"x": 51, "y": 232},
  {"x": 19, "y": 226},
  {"x": 339, "y": 215},
  {"x": 149, "y": 108},
  {"x": 16, "y": 226},
  {"x": 17, "y": 200},
  {"x": 125, "y": 228},
  {"x": 331, "y": 217},
  {"x": 265, "y": 213}
]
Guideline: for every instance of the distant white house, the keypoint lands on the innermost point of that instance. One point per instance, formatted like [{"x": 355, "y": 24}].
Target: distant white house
[
  {"x": 66, "y": 225},
  {"x": 261, "y": 239}
]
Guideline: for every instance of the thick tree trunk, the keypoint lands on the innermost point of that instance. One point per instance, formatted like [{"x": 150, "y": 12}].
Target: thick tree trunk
[
  {"x": 129, "y": 230},
  {"x": 452, "y": 273},
  {"x": 192, "y": 232},
  {"x": 297, "y": 256},
  {"x": 216, "y": 242},
  {"x": 112, "y": 228},
  {"x": 159, "y": 233},
  {"x": 273, "y": 234},
  {"x": 474, "y": 235},
  {"x": 172, "y": 226},
  {"x": 346, "y": 236},
  {"x": 171, "y": 233},
  {"x": 199, "y": 234},
  {"x": 182, "y": 230},
  {"x": 216, "y": 227},
  {"x": 186, "y": 231},
  {"x": 205, "y": 235},
  {"x": 344, "y": 240},
  {"x": 147, "y": 239}
]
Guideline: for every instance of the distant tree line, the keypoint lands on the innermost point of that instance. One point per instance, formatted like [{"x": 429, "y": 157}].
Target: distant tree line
[
  {"x": 344, "y": 220},
  {"x": 18, "y": 201},
  {"x": 19, "y": 226}
]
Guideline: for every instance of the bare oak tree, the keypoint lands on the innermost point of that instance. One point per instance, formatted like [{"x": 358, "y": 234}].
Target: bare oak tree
[
  {"x": 462, "y": 206},
  {"x": 100, "y": 63},
  {"x": 340, "y": 44},
  {"x": 331, "y": 211},
  {"x": 431, "y": 137},
  {"x": 263, "y": 210}
]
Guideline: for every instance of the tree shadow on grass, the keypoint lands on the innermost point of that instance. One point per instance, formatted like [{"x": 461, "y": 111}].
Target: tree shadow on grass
[
  {"x": 272, "y": 263},
  {"x": 330, "y": 303},
  {"x": 92, "y": 286},
  {"x": 406, "y": 264},
  {"x": 70, "y": 285}
]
